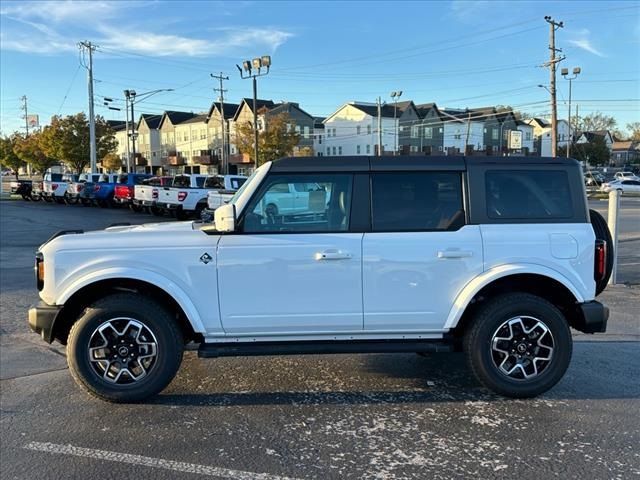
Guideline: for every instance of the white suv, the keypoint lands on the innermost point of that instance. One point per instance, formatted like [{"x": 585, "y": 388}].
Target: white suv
[{"x": 389, "y": 254}]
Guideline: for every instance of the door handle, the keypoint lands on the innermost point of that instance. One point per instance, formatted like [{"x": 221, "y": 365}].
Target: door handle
[
  {"x": 455, "y": 254},
  {"x": 332, "y": 255}
]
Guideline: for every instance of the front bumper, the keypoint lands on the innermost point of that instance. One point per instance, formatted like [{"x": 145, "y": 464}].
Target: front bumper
[
  {"x": 593, "y": 318},
  {"x": 42, "y": 318}
]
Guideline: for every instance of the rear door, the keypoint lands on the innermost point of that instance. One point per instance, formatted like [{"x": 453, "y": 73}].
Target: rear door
[{"x": 420, "y": 253}]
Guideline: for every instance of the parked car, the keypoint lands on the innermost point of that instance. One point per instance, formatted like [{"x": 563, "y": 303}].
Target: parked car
[
  {"x": 22, "y": 188},
  {"x": 146, "y": 194},
  {"x": 80, "y": 190},
  {"x": 50, "y": 183},
  {"x": 623, "y": 186},
  {"x": 125, "y": 188},
  {"x": 169, "y": 197},
  {"x": 103, "y": 190},
  {"x": 593, "y": 179},
  {"x": 626, "y": 176},
  {"x": 496, "y": 256},
  {"x": 187, "y": 202}
]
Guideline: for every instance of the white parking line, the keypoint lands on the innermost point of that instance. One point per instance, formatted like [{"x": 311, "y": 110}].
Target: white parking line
[{"x": 150, "y": 462}]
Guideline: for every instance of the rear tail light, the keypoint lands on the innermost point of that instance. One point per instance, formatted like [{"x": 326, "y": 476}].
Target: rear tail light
[
  {"x": 54, "y": 186},
  {"x": 154, "y": 193},
  {"x": 79, "y": 187},
  {"x": 600, "y": 260},
  {"x": 96, "y": 188},
  {"x": 182, "y": 196}
]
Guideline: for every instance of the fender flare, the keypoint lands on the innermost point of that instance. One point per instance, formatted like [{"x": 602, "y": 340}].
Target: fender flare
[
  {"x": 478, "y": 283},
  {"x": 143, "y": 275}
]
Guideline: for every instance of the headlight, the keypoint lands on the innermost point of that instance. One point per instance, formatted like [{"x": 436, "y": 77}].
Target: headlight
[{"x": 39, "y": 268}]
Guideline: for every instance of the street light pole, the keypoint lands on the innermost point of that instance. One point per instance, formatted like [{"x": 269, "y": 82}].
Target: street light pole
[
  {"x": 396, "y": 95},
  {"x": 257, "y": 64},
  {"x": 565, "y": 71}
]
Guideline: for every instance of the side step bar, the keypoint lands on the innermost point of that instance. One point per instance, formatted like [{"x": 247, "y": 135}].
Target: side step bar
[{"x": 214, "y": 350}]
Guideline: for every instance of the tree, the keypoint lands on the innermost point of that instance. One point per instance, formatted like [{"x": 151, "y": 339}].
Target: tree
[
  {"x": 29, "y": 149},
  {"x": 111, "y": 162},
  {"x": 595, "y": 153},
  {"x": 8, "y": 157},
  {"x": 593, "y": 121},
  {"x": 275, "y": 141},
  {"x": 67, "y": 138},
  {"x": 634, "y": 131}
]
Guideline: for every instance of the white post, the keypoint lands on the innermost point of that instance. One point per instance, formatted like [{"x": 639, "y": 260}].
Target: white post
[{"x": 612, "y": 221}]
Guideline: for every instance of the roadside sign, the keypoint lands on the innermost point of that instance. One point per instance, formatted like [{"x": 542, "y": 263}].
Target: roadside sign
[{"x": 515, "y": 139}]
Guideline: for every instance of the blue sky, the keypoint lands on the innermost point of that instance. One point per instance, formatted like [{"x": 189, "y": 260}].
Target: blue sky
[{"x": 455, "y": 53}]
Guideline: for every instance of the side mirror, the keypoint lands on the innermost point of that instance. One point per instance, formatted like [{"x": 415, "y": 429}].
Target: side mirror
[{"x": 225, "y": 218}]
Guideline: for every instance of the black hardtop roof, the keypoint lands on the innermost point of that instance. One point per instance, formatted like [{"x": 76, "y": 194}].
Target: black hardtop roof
[{"x": 406, "y": 163}]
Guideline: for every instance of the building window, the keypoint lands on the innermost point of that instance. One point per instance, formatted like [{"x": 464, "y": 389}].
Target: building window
[
  {"x": 368, "y": 129},
  {"x": 457, "y": 136},
  {"x": 358, "y": 149},
  {"x": 368, "y": 148},
  {"x": 298, "y": 129},
  {"x": 203, "y": 134},
  {"x": 428, "y": 132},
  {"x": 414, "y": 148},
  {"x": 358, "y": 130},
  {"x": 495, "y": 134},
  {"x": 440, "y": 130},
  {"x": 328, "y": 150},
  {"x": 306, "y": 131},
  {"x": 334, "y": 150},
  {"x": 439, "y": 148},
  {"x": 340, "y": 150},
  {"x": 527, "y": 136},
  {"x": 415, "y": 131}
]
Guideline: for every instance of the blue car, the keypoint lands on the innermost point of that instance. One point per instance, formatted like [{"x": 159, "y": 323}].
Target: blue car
[{"x": 104, "y": 190}]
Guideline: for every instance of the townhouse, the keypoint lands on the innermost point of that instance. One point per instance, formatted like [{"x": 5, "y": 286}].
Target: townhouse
[
  {"x": 148, "y": 158},
  {"x": 542, "y": 135}
]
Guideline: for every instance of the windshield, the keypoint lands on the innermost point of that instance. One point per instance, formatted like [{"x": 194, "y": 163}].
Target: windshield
[{"x": 244, "y": 186}]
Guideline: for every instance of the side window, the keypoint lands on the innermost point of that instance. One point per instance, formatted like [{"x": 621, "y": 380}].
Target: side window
[
  {"x": 181, "y": 181},
  {"x": 200, "y": 182},
  {"x": 301, "y": 203},
  {"x": 214, "y": 182},
  {"x": 528, "y": 194},
  {"x": 416, "y": 201}
]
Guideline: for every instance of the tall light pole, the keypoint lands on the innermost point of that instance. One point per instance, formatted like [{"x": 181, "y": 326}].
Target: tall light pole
[
  {"x": 253, "y": 69},
  {"x": 395, "y": 96},
  {"x": 565, "y": 72},
  {"x": 132, "y": 97}
]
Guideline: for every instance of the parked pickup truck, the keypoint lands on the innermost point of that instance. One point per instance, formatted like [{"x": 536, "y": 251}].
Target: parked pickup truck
[
  {"x": 22, "y": 188},
  {"x": 170, "y": 198},
  {"x": 125, "y": 188},
  {"x": 54, "y": 186},
  {"x": 80, "y": 190},
  {"x": 146, "y": 194},
  {"x": 495, "y": 256},
  {"x": 223, "y": 189},
  {"x": 103, "y": 190}
]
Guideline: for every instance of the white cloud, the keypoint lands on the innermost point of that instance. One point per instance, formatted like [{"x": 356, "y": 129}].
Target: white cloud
[
  {"x": 585, "y": 44},
  {"x": 55, "y": 27}
]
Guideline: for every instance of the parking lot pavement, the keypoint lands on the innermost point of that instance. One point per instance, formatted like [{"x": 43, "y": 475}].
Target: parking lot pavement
[{"x": 304, "y": 417}]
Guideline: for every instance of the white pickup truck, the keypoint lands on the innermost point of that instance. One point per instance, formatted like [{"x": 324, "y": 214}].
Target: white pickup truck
[
  {"x": 54, "y": 186},
  {"x": 146, "y": 194},
  {"x": 190, "y": 200}
]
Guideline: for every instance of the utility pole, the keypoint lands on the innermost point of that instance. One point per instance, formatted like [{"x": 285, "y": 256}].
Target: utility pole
[
  {"x": 379, "y": 127},
  {"x": 466, "y": 141},
  {"x": 222, "y": 91},
  {"x": 90, "y": 48},
  {"x": 553, "y": 60},
  {"x": 26, "y": 124},
  {"x": 126, "y": 126}
]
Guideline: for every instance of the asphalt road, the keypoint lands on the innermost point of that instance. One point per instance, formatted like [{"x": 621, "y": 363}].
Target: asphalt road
[{"x": 304, "y": 417}]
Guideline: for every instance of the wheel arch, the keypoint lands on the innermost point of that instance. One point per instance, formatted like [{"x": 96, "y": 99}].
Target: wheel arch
[
  {"x": 77, "y": 297},
  {"x": 543, "y": 282}
]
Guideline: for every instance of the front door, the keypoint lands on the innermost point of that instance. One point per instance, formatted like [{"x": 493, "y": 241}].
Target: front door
[
  {"x": 293, "y": 272},
  {"x": 420, "y": 254}
]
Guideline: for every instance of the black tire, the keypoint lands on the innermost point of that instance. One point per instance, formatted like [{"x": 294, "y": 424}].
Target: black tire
[
  {"x": 156, "y": 211},
  {"x": 35, "y": 197},
  {"x": 486, "y": 324},
  {"x": 47, "y": 199},
  {"x": 59, "y": 200},
  {"x": 181, "y": 214},
  {"x": 198, "y": 211},
  {"x": 71, "y": 200},
  {"x": 601, "y": 230},
  {"x": 26, "y": 197},
  {"x": 135, "y": 208},
  {"x": 161, "y": 324}
]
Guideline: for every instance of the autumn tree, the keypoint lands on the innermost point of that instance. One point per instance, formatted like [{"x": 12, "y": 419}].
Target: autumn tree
[
  {"x": 67, "y": 138},
  {"x": 8, "y": 156},
  {"x": 634, "y": 131},
  {"x": 276, "y": 140},
  {"x": 111, "y": 162},
  {"x": 29, "y": 149},
  {"x": 593, "y": 122}
]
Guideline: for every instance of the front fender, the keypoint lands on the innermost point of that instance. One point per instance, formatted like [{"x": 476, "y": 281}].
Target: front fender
[
  {"x": 143, "y": 275},
  {"x": 489, "y": 276}
]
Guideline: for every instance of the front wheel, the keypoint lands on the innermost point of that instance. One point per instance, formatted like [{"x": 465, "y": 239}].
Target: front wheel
[
  {"x": 124, "y": 348},
  {"x": 519, "y": 345}
]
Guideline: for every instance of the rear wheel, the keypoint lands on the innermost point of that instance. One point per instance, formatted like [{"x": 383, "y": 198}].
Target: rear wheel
[
  {"x": 59, "y": 200},
  {"x": 124, "y": 348},
  {"x": 519, "y": 345},
  {"x": 601, "y": 231},
  {"x": 156, "y": 211},
  {"x": 135, "y": 208},
  {"x": 71, "y": 200},
  {"x": 181, "y": 214}
]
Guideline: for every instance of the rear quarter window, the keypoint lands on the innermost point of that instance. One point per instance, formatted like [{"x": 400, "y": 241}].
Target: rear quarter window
[{"x": 528, "y": 194}]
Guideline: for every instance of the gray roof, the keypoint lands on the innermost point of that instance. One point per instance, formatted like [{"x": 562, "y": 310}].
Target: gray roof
[
  {"x": 152, "y": 121},
  {"x": 386, "y": 110},
  {"x": 178, "y": 117},
  {"x": 198, "y": 118}
]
